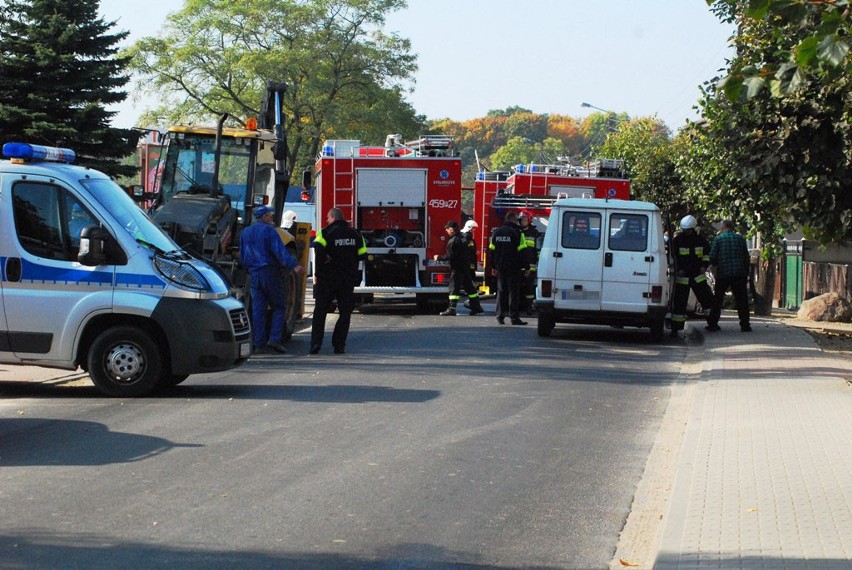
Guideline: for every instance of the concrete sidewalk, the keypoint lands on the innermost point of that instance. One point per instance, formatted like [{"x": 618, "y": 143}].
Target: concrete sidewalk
[{"x": 758, "y": 442}]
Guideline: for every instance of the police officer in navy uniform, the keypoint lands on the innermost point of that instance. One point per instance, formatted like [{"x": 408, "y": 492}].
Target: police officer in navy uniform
[
  {"x": 509, "y": 262},
  {"x": 691, "y": 253},
  {"x": 264, "y": 255},
  {"x": 338, "y": 248}
]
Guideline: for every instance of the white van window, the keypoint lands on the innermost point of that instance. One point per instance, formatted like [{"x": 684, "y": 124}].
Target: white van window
[
  {"x": 48, "y": 220},
  {"x": 581, "y": 230},
  {"x": 628, "y": 232}
]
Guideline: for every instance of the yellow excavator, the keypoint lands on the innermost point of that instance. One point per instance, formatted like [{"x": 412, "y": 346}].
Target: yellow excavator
[{"x": 214, "y": 176}]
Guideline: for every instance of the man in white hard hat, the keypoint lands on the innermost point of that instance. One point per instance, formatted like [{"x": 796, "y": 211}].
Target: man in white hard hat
[
  {"x": 288, "y": 218},
  {"x": 467, "y": 234},
  {"x": 472, "y": 257},
  {"x": 460, "y": 279},
  {"x": 691, "y": 253}
]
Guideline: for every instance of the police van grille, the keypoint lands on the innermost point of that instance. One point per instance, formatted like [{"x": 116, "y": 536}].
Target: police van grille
[{"x": 240, "y": 321}]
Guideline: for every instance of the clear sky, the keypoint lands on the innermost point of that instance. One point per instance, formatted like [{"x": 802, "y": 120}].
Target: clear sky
[{"x": 641, "y": 57}]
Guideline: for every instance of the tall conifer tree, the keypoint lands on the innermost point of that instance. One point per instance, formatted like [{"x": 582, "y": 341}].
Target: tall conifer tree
[{"x": 59, "y": 69}]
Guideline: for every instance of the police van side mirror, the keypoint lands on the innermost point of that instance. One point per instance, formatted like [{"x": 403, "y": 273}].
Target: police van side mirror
[{"x": 92, "y": 242}]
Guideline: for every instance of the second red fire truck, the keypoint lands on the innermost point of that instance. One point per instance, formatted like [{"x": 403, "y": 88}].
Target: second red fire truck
[
  {"x": 399, "y": 196},
  {"x": 534, "y": 188}
]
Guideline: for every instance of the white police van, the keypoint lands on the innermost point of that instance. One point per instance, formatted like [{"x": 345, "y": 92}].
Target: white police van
[
  {"x": 86, "y": 279},
  {"x": 603, "y": 262}
]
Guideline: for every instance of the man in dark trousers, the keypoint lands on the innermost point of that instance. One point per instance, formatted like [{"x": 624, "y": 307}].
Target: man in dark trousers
[
  {"x": 691, "y": 253},
  {"x": 338, "y": 248},
  {"x": 731, "y": 260},
  {"x": 264, "y": 255},
  {"x": 460, "y": 277},
  {"x": 509, "y": 261},
  {"x": 530, "y": 234}
]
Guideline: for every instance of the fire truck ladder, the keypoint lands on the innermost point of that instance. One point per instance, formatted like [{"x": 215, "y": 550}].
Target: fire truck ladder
[
  {"x": 506, "y": 200},
  {"x": 344, "y": 185},
  {"x": 432, "y": 145}
]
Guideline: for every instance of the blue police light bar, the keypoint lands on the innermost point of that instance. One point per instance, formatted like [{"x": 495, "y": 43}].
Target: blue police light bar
[{"x": 26, "y": 151}]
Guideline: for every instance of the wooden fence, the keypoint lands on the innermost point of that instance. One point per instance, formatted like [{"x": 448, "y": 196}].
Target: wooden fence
[{"x": 819, "y": 278}]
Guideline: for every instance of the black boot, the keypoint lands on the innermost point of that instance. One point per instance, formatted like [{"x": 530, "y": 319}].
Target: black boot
[
  {"x": 449, "y": 312},
  {"x": 475, "y": 306}
]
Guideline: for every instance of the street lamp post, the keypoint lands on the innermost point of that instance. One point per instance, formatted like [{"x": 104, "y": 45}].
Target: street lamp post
[{"x": 584, "y": 104}]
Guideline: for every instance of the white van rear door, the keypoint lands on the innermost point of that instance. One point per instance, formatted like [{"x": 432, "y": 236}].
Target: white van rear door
[
  {"x": 627, "y": 262},
  {"x": 577, "y": 285}
]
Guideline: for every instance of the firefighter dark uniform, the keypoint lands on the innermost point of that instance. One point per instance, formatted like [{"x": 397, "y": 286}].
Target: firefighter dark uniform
[
  {"x": 528, "y": 282},
  {"x": 460, "y": 275},
  {"x": 509, "y": 260},
  {"x": 338, "y": 248},
  {"x": 691, "y": 253}
]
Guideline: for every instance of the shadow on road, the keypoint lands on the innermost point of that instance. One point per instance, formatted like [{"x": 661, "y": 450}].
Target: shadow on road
[
  {"x": 41, "y": 441},
  {"x": 334, "y": 393},
  {"x": 38, "y": 550}
]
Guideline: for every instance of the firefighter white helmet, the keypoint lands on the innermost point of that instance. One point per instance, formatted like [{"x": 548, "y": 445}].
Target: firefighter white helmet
[
  {"x": 688, "y": 222},
  {"x": 288, "y": 218},
  {"x": 469, "y": 225}
]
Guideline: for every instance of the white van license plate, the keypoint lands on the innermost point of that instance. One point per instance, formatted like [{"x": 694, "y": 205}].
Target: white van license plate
[{"x": 245, "y": 349}]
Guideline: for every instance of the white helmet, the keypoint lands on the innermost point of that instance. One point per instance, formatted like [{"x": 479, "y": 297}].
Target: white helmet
[
  {"x": 469, "y": 225},
  {"x": 287, "y": 218},
  {"x": 688, "y": 222}
]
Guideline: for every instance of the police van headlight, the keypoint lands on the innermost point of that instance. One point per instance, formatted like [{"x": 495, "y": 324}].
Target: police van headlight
[{"x": 181, "y": 274}]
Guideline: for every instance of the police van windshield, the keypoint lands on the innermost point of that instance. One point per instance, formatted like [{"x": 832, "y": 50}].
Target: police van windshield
[{"x": 130, "y": 216}]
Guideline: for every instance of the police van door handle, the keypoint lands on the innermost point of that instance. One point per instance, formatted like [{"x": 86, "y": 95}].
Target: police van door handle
[
  {"x": 608, "y": 259},
  {"x": 557, "y": 254}
]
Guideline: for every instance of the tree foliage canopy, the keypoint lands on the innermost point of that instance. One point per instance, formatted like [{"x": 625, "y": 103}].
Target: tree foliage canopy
[
  {"x": 346, "y": 78},
  {"x": 58, "y": 71},
  {"x": 778, "y": 156},
  {"x": 649, "y": 156}
]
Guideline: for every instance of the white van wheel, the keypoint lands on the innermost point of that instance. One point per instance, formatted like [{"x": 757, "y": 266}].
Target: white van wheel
[
  {"x": 658, "y": 329},
  {"x": 125, "y": 362},
  {"x": 545, "y": 324}
]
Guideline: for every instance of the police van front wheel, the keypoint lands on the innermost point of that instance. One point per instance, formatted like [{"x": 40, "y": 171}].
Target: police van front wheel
[{"x": 125, "y": 362}]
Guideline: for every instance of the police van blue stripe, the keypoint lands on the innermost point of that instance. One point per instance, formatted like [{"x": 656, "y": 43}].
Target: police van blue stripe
[{"x": 38, "y": 273}]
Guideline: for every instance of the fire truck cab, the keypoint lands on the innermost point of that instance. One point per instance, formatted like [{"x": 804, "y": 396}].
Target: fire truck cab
[{"x": 399, "y": 196}]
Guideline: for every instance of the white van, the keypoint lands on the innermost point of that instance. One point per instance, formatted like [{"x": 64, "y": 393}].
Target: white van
[
  {"x": 86, "y": 279},
  {"x": 603, "y": 262}
]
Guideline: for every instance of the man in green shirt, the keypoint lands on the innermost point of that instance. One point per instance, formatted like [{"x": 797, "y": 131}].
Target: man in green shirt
[{"x": 730, "y": 257}]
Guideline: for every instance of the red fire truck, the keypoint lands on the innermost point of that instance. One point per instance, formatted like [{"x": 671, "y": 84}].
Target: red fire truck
[
  {"x": 534, "y": 187},
  {"x": 399, "y": 196}
]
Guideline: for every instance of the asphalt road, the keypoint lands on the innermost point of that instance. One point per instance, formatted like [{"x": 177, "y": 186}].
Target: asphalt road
[{"x": 433, "y": 443}]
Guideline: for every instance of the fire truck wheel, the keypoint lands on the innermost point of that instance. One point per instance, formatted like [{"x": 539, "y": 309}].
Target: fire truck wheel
[
  {"x": 430, "y": 304},
  {"x": 125, "y": 361}
]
